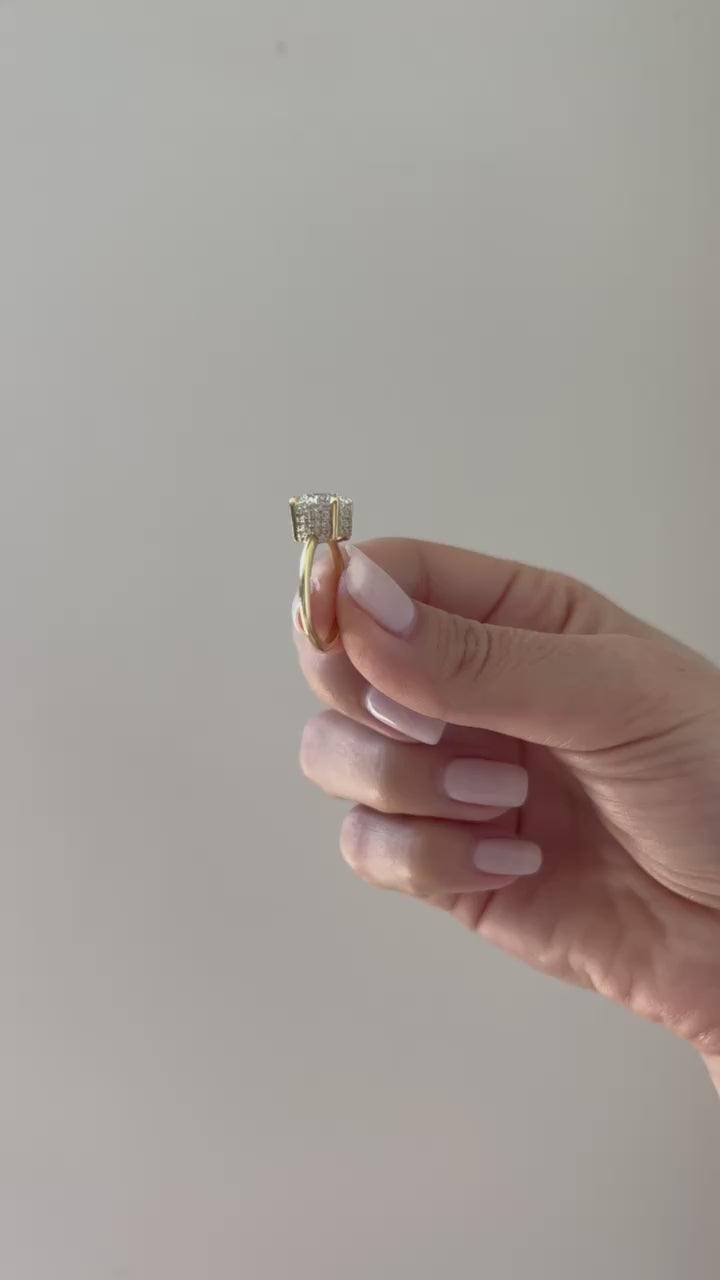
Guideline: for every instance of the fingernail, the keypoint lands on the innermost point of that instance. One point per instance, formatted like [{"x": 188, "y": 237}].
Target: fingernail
[
  {"x": 411, "y": 723},
  {"x": 378, "y": 594},
  {"x": 507, "y": 857},
  {"x": 486, "y": 782}
]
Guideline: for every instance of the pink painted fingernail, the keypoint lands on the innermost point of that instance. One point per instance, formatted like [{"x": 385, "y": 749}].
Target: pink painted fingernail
[
  {"x": 490, "y": 782},
  {"x": 507, "y": 857},
  {"x": 378, "y": 594},
  {"x": 395, "y": 716}
]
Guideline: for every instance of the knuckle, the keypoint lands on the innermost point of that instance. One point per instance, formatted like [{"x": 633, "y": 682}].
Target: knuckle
[
  {"x": 464, "y": 649},
  {"x": 416, "y": 878},
  {"x": 312, "y": 744},
  {"x": 326, "y": 678},
  {"x": 390, "y": 853},
  {"x": 380, "y": 780},
  {"x": 545, "y": 601},
  {"x": 363, "y": 844},
  {"x": 352, "y": 844},
  {"x": 307, "y": 750}
]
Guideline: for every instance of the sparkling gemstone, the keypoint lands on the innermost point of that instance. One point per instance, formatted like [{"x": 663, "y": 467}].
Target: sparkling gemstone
[{"x": 312, "y": 517}]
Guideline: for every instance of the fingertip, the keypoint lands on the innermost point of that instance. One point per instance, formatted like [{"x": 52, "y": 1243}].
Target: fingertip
[{"x": 295, "y": 614}]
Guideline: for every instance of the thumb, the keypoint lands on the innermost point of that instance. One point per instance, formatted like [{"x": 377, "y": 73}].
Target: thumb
[{"x": 575, "y": 692}]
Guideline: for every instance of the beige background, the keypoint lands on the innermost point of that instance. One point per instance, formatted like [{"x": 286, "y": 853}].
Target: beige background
[{"x": 460, "y": 259}]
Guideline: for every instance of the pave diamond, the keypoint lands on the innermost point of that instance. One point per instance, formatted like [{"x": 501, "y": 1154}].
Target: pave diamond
[{"x": 312, "y": 517}]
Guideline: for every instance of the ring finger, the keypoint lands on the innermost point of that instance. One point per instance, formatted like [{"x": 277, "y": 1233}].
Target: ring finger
[{"x": 430, "y": 859}]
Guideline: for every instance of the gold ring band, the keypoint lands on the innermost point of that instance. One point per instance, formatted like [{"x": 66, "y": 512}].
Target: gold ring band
[
  {"x": 316, "y": 518},
  {"x": 305, "y": 589}
]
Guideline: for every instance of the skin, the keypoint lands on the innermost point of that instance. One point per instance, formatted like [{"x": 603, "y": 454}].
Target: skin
[{"x": 618, "y": 727}]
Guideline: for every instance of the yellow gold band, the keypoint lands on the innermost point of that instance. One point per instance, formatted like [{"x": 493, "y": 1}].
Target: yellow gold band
[{"x": 305, "y": 592}]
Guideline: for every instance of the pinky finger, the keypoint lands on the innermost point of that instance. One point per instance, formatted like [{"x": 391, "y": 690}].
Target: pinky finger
[{"x": 427, "y": 857}]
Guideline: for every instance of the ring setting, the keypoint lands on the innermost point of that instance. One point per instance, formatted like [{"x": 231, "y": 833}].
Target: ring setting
[{"x": 319, "y": 518}]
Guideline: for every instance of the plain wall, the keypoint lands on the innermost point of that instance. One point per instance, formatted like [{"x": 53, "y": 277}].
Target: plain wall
[{"x": 460, "y": 259}]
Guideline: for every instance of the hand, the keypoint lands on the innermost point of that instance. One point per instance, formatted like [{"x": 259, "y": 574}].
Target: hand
[{"x": 534, "y": 760}]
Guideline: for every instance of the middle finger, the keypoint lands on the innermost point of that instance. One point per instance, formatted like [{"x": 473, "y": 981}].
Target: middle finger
[{"x": 354, "y": 762}]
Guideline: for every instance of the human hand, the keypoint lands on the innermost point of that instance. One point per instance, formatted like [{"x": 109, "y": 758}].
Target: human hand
[{"x": 561, "y": 796}]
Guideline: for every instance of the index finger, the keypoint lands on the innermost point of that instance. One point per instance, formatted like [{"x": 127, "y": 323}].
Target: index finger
[{"x": 480, "y": 587}]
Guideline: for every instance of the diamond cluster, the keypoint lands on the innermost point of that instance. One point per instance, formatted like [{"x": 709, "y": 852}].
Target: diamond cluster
[{"x": 312, "y": 517}]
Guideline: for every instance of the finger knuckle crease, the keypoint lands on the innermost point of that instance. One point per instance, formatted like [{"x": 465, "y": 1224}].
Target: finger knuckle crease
[
  {"x": 380, "y": 785},
  {"x": 466, "y": 650}
]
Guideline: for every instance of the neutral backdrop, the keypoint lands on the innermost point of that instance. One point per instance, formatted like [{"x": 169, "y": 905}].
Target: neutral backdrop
[{"x": 458, "y": 258}]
